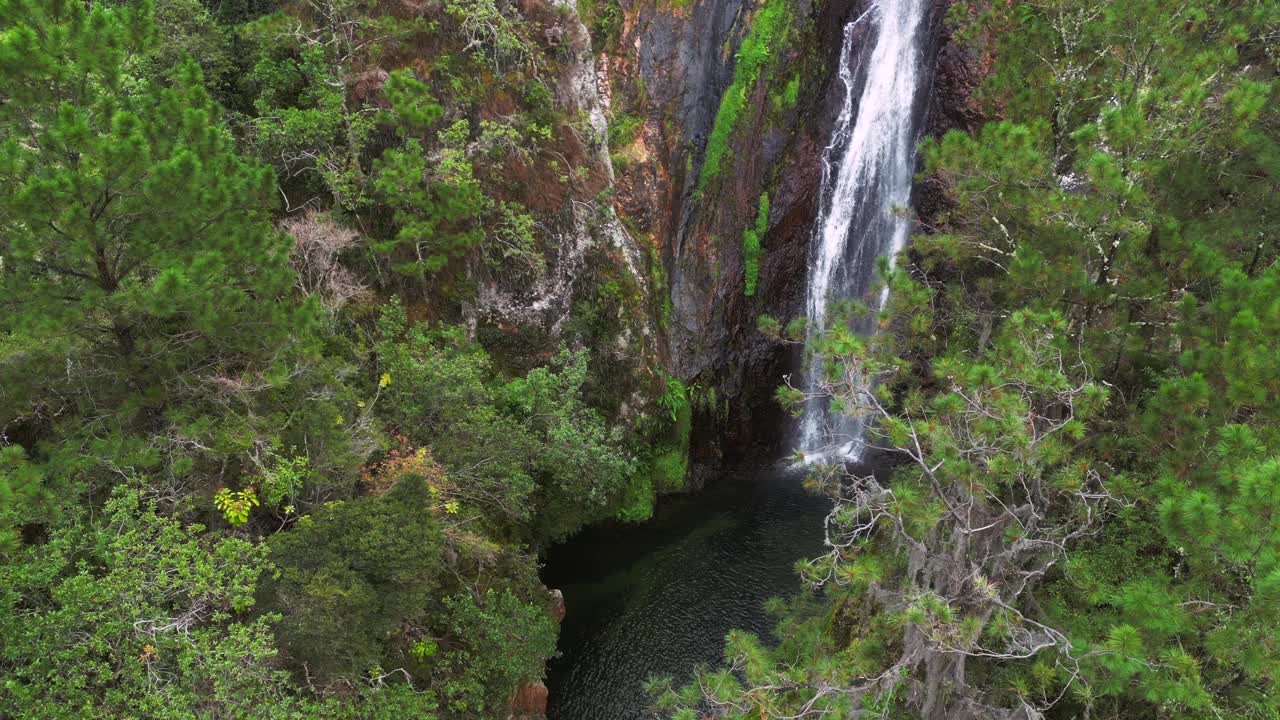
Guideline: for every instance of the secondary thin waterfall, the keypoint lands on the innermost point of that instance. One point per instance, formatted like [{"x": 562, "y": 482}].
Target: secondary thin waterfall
[{"x": 866, "y": 185}]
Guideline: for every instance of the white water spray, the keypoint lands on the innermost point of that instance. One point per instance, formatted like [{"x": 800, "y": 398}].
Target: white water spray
[{"x": 866, "y": 182}]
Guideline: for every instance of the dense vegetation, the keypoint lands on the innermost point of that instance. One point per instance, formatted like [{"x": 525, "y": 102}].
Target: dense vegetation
[
  {"x": 258, "y": 456},
  {"x": 1078, "y": 379},
  {"x": 315, "y": 329}
]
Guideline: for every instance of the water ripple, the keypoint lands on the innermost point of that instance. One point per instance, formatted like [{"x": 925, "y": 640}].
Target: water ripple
[{"x": 658, "y": 598}]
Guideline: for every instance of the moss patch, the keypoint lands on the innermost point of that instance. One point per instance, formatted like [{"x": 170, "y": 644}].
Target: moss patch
[
  {"x": 637, "y": 502},
  {"x": 763, "y": 41},
  {"x": 751, "y": 239}
]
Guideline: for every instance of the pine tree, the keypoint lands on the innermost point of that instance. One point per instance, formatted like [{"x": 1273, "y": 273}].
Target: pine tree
[{"x": 140, "y": 270}]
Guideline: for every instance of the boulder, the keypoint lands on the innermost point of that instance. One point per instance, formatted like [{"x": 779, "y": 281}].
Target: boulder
[
  {"x": 529, "y": 702},
  {"x": 558, "y": 609}
]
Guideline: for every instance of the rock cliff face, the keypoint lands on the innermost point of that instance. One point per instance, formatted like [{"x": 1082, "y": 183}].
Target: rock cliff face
[
  {"x": 670, "y": 66},
  {"x": 952, "y": 106},
  {"x": 594, "y": 286},
  {"x": 584, "y": 226},
  {"x": 648, "y": 92}
]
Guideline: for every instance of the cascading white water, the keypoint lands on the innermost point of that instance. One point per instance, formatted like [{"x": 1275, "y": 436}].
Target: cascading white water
[{"x": 866, "y": 182}]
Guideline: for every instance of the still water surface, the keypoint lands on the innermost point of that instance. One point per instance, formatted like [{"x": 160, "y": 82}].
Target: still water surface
[{"x": 659, "y": 597}]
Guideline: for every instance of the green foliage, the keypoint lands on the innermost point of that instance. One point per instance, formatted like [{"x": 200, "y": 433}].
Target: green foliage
[
  {"x": 667, "y": 464},
  {"x": 284, "y": 479},
  {"x": 637, "y": 501},
  {"x": 494, "y": 31},
  {"x": 92, "y": 617},
  {"x": 161, "y": 364},
  {"x": 751, "y": 239},
  {"x": 1162, "y": 194},
  {"x": 670, "y": 467},
  {"x": 791, "y": 93},
  {"x": 603, "y": 19},
  {"x": 234, "y": 12},
  {"x": 440, "y": 208},
  {"x": 1095, "y": 345},
  {"x": 303, "y": 125},
  {"x": 772, "y": 328},
  {"x": 190, "y": 28},
  {"x": 623, "y": 129},
  {"x": 144, "y": 289},
  {"x": 413, "y": 109},
  {"x": 502, "y": 642},
  {"x": 436, "y": 206},
  {"x": 126, "y": 210},
  {"x": 25, "y": 498},
  {"x": 675, "y": 400},
  {"x": 236, "y": 505},
  {"x": 527, "y": 450},
  {"x": 581, "y": 463},
  {"x": 351, "y": 576},
  {"x": 763, "y": 42}
]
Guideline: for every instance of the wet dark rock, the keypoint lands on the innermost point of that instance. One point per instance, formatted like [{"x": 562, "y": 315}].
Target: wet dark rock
[
  {"x": 957, "y": 74},
  {"x": 671, "y": 66},
  {"x": 953, "y": 105},
  {"x": 684, "y": 60}
]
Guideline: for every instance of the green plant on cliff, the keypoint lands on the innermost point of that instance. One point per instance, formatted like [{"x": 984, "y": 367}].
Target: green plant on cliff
[
  {"x": 668, "y": 460},
  {"x": 604, "y": 20},
  {"x": 764, "y": 41},
  {"x": 352, "y": 575},
  {"x": 790, "y": 94},
  {"x": 527, "y": 451},
  {"x": 436, "y": 202},
  {"x": 751, "y": 238}
]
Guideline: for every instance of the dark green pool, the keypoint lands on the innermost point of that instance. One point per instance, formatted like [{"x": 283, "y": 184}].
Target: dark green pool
[{"x": 658, "y": 598}]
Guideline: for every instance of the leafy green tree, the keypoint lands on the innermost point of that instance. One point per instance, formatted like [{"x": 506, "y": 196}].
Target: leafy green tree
[
  {"x": 189, "y": 28},
  {"x": 436, "y": 202},
  {"x": 1105, "y": 236},
  {"x": 389, "y": 589},
  {"x": 160, "y": 363},
  {"x": 25, "y": 497},
  {"x": 502, "y": 642},
  {"x": 993, "y": 494},
  {"x": 1124, "y": 170},
  {"x": 127, "y": 209},
  {"x": 152, "y": 322},
  {"x": 304, "y": 121},
  {"x": 581, "y": 463},
  {"x": 1123, "y": 190},
  {"x": 527, "y": 451},
  {"x": 352, "y": 576},
  {"x": 234, "y": 12},
  {"x": 136, "y": 614}
]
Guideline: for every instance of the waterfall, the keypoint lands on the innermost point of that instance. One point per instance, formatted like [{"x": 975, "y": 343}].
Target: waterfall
[{"x": 866, "y": 182}]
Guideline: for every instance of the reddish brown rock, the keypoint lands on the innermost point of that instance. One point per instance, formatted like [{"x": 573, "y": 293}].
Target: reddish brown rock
[
  {"x": 529, "y": 703},
  {"x": 558, "y": 609}
]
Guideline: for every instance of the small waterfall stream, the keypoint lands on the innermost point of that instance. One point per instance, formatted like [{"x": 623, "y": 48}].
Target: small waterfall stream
[{"x": 866, "y": 183}]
